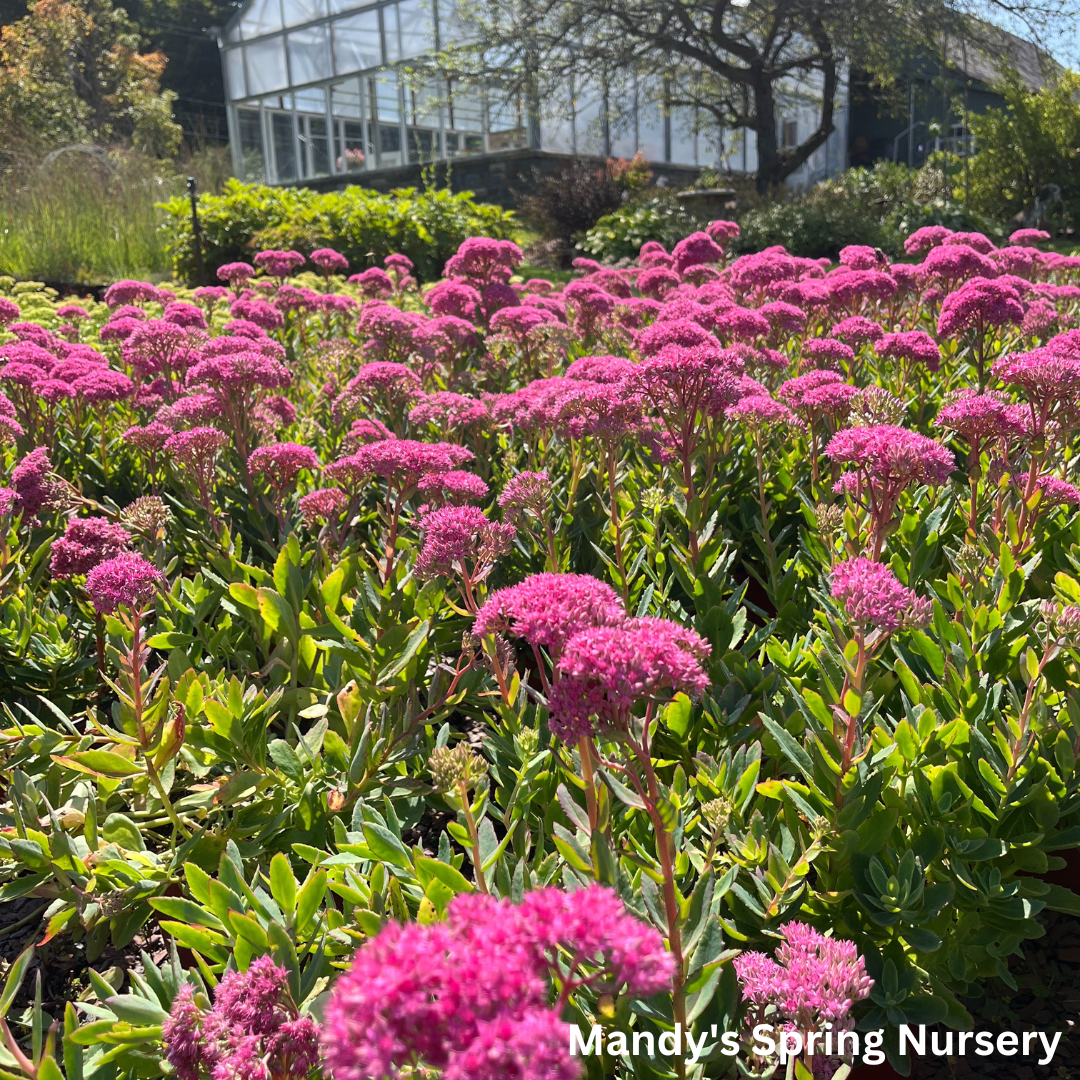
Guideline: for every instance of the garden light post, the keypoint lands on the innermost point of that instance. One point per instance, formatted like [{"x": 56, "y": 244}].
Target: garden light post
[{"x": 196, "y": 228}]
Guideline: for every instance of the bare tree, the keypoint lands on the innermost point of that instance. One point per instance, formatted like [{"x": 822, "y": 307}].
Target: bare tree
[{"x": 734, "y": 62}]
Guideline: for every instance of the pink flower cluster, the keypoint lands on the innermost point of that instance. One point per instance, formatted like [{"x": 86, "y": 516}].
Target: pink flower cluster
[
  {"x": 126, "y": 580},
  {"x": 252, "y": 1032},
  {"x": 815, "y": 980},
  {"x": 470, "y": 996},
  {"x": 85, "y": 543},
  {"x": 873, "y": 598}
]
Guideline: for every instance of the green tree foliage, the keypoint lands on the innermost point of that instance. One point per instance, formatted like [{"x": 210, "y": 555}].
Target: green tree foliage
[
  {"x": 71, "y": 71},
  {"x": 1030, "y": 143}
]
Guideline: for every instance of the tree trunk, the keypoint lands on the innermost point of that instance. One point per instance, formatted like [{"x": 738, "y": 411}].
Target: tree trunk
[
  {"x": 775, "y": 164},
  {"x": 768, "y": 157}
]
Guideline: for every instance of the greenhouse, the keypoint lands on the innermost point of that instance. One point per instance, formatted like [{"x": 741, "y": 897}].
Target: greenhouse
[{"x": 321, "y": 89}]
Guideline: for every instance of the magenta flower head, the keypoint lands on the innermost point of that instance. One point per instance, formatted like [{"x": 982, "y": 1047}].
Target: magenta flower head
[
  {"x": 419, "y": 994},
  {"x": 450, "y": 412},
  {"x": 38, "y": 335},
  {"x": 1048, "y": 376},
  {"x": 236, "y": 273},
  {"x": 977, "y": 240},
  {"x": 546, "y": 609},
  {"x": 197, "y": 450},
  {"x": 279, "y": 264},
  {"x": 813, "y": 982},
  {"x": 929, "y": 236},
  {"x": 977, "y": 417},
  {"x": 456, "y": 298},
  {"x": 455, "y": 488},
  {"x": 104, "y": 387},
  {"x": 783, "y": 316},
  {"x": 1028, "y": 237},
  {"x": 657, "y": 281},
  {"x": 401, "y": 462},
  {"x": 762, "y": 411},
  {"x": 129, "y": 292},
  {"x": 209, "y": 295},
  {"x": 873, "y": 598},
  {"x": 827, "y": 353},
  {"x": 601, "y": 369},
  {"x": 860, "y": 257},
  {"x": 9, "y": 311},
  {"x": 721, "y": 231},
  {"x": 126, "y": 580},
  {"x": 978, "y": 303},
  {"x": 481, "y": 261},
  {"x": 696, "y": 249},
  {"x": 149, "y": 439},
  {"x": 681, "y": 332},
  {"x": 956, "y": 262},
  {"x": 603, "y": 672},
  {"x": 527, "y": 491},
  {"x": 1056, "y": 492},
  {"x": 740, "y": 324},
  {"x": 916, "y": 346},
  {"x": 461, "y": 540},
  {"x": 892, "y": 455},
  {"x": 280, "y": 462},
  {"x": 253, "y": 1031},
  {"x": 330, "y": 261},
  {"x": 856, "y": 331},
  {"x": 33, "y": 483},
  {"x": 373, "y": 283},
  {"x": 183, "y": 314},
  {"x": 259, "y": 312},
  {"x": 85, "y": 543},
  {"x": 324, "y": 504},
  {"x": 883, "y": 461}
]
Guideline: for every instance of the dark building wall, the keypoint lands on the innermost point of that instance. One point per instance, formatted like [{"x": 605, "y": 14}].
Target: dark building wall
[
  {"x": 876, "y": 120},
  {"x": 493, "y": 178}
]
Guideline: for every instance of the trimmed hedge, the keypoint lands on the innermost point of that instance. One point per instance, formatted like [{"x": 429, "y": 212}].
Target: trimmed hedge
[{"x": 364, "y": 225}]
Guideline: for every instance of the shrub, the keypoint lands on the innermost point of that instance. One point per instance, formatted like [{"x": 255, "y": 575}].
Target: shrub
[
  {"x": 1025, "y": 146},
  {"x": 365, "y": 226},
  {"x": 619, "y": 235},
  {"x": 563, "y": 205},
  {"x": 877, "y": 207}
]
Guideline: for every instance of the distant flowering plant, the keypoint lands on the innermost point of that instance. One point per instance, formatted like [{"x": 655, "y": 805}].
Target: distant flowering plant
[
  {"x": 253, "y": 1030},
  {"x": 883, "y": 460},
  {"x": 461, "y": 543},
  {"x": 86, "y": 543},
  {"x": 811, "y": 986}
]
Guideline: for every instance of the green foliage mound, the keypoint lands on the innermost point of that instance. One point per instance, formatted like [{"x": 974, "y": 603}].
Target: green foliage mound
[{"x": 426, "y": 224}]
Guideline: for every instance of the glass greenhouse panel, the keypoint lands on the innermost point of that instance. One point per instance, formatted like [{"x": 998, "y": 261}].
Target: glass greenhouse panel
[
  {"x": 261, "y": 17},
  {"x": 298, "y": 12},
  {"x": 387, "y": 116},
  {"x": 357, "y": 43},
  {"x": 266, "y": 66},
  {"x": 252, "y": 158},
  {"x": 415, "y": 27},
  {"x": 684, "y": 139},
  {"x": 309, "y": 54},
  {"x": 506, "y": 122},
  {"x": 281, "y": 125},
  {"x": 233, "y": 60}
]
